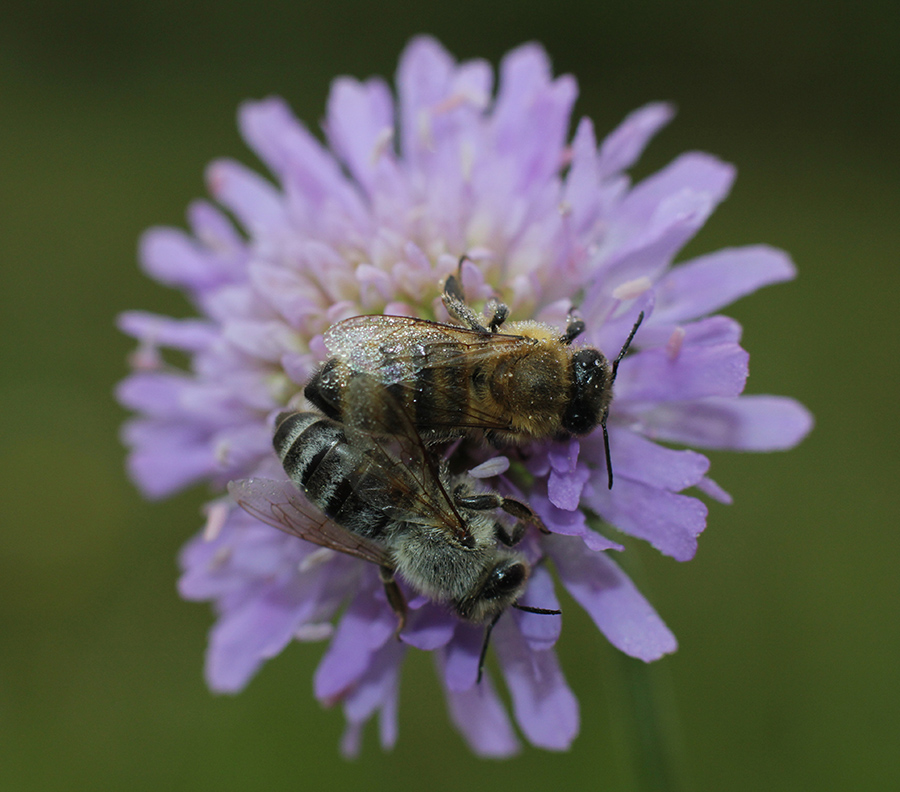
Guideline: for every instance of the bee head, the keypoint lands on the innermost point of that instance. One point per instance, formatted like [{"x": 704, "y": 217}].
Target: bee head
[
  {"x": 591, "y": 391},
  {"x": 498, "y": 590}
]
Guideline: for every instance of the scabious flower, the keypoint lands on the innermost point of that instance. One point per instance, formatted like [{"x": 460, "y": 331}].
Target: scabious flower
[{"x": 372, "y": 221}]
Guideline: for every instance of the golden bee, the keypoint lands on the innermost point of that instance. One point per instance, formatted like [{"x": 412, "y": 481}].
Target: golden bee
[
  {"x": 526, "y": 383},
  {"x": 389, "y": 501}
]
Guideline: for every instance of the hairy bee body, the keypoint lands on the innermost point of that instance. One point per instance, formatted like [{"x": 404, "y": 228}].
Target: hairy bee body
[
  {"x": 413, "y": 519},
  {"x": 526, "y": 383},
  {"x": 515, "y": 386}
]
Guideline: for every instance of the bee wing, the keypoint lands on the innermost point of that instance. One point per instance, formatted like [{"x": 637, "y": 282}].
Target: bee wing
[
  {"x": 406, "y": 477},
  {"x": 281, "y": 505},
  {"x": 396, "y": 348},
  {"x": 365, "y": 342}
]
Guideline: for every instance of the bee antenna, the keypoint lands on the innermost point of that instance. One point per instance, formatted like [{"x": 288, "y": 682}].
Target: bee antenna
[
  {"x": 615, "y": 369},
  {"x": 484, "y": 646},
  {"x": 615, "y": 365},
  {"x": 544, "y": 611}
]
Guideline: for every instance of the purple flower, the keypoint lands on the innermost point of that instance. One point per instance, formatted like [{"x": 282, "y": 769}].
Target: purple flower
[{"x": 372, "y": 221}]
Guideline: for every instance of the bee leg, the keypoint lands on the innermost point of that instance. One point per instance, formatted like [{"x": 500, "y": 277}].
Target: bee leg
[
  {"x": 498, "y": 313},
  {"x": 523, "y": 512},
  {"x": 455, "y": 303},
  {"x": 574, "y": 328},
  {"x": 395, "y": 598},
  {"x": 491, "y": 500},
  {"x": 510, "y": 539}
]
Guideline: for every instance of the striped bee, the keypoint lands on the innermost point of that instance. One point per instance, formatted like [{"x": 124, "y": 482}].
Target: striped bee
[
  {"x": 523, "y": 384},
  {"x": 389, "y": 501}
]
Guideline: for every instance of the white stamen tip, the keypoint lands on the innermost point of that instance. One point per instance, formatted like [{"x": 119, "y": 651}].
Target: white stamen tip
[
  {"x": 216, "y": 514},
  {"x": 673, "y": 345},
  {"x": 492, "y": 467},
  {"x": 633, "y": 288},
  {"x": 315, "y": 558},
  {"x": 381, "y": 144},
  {"x": 314, "y": 632}
]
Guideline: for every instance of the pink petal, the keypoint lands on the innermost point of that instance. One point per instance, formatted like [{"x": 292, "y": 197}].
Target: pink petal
[
  {"x": 748, "y": 423},
  {"x": 636, "y": 458},
  {"x": 544, "y": 706},
  {"x": 625, "y": 144},
  {"x": 612, "y": 601},
  {"x": 705, "y": 284},
  {"x": 364, "y": 628},
  {"x": 482, "y": 720},
  {"x": 698, "y": 371},
  {"x": 671, "y": 523}
]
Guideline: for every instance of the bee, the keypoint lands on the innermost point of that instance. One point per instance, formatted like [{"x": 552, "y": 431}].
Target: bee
[
  {"x": 390, "y": 502},
  {"x": 525, "y": 383}
]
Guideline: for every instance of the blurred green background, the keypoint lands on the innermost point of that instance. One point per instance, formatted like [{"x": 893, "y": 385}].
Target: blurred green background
[{"x": 788, "y": 619}]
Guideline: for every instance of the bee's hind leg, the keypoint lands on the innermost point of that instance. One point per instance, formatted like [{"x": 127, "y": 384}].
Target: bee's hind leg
[{"x": 395, "y": 598}]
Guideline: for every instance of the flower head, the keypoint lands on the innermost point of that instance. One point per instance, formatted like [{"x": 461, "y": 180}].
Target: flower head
[{"x": 372, "y": 222}]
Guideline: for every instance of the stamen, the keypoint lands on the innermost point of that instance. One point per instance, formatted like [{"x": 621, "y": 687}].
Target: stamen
[
  {"x": 673, "y": 345},
  {"x": 492, "y": 467},
  {"x": 216, "y": 514},
  {"x": 382, "y": 143},
  {"x": 315, "y": 558},
  {"x": 633, "y": 288}
]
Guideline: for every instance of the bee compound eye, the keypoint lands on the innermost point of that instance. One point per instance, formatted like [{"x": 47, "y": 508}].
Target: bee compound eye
[
  {"x": 505, "y": 579},
  {"x": 590, "y": 390}
]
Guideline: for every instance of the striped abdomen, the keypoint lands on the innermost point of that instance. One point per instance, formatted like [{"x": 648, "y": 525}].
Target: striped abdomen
[
  {"x": 434, "y": 386},
  {"x": 317, "y": 456}
]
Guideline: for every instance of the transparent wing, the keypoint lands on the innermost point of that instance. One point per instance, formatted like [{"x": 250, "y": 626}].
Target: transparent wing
[
  {"x": 281, "y": 505},
  {"x": 402, "y": 476},
  {"x": 396, "y": 349},
  {"x": 364, "y": 342}
]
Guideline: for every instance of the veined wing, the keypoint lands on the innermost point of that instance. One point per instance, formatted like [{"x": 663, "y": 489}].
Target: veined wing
[
  {"x": 385, "y": 344},
  {"x": 281, "y": 505},
  {"x": 402, "y": 476}
]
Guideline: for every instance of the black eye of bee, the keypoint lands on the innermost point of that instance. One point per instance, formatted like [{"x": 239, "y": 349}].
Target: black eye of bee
[
  {"x": 589, "y": 389},
  {"x": 504, "y": 579}
]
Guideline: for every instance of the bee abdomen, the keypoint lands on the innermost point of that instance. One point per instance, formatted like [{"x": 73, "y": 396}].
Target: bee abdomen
[{"x": 317, "y": 456}]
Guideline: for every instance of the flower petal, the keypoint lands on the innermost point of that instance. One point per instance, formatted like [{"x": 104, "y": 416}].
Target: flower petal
[
  {"x": 697, "y": 371},
  {"x": 360, "y": 127},
  {"x": 622, "y": 147},
  {"x": 482, "y": 720},
  {"x": 429, "y": 627},
  {"x": 252, "y": 199},
  {"x": 708, "y": 283},
  {"x": 748, "y": 423},
  {"x": 165, "y": 458},
  {"x": 540, "y": 630},
  {"x": 671, "y": 523},
  {"x": 636, "y": 458},
  {"x": 364, "y": 628},
  {"x": 246, "y": 636},
  {"x": 176, "y": 259},
  {"x": 375, "y": 692},
  {"x": 569, "y": 523},
  {"x": 544, "y": 706},
  {"x": 611, "y": 600},
  {"x": 314, "y": 178},
  {"x": 189, "y": 335},
  {"x": 461, "y": 655}
]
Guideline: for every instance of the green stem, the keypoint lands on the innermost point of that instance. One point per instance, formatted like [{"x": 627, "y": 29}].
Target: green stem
[{"x": 647, "y": 717}]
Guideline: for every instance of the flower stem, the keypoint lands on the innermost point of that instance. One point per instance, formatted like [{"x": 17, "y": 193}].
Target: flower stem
[{"x": 647, "y": 717}]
